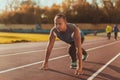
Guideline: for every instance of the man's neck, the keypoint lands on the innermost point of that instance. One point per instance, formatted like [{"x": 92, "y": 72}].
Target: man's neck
[{"x": 65, "y": 28}]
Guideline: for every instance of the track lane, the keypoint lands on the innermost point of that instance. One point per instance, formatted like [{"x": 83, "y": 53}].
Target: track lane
[
  {"x": 57, "y": 70},
  {"x": 30, "y": 56}
]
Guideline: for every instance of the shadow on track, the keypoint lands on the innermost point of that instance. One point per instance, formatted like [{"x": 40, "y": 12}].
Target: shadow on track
[{"x": 107, "y": 76}]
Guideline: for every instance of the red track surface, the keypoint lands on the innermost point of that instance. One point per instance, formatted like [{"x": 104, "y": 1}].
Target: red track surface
[{"x": 21, "y": 61}]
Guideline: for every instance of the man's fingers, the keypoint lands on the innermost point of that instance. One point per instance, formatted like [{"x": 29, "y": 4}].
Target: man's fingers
[
  {"x": 43, "y": 68},
  {"x": 78, "y": 72}
]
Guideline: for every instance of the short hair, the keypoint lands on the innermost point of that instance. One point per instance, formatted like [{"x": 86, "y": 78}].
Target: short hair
[{"x": 60, "y": 15}]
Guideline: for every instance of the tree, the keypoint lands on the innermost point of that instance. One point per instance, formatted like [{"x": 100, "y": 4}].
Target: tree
[{"x": 12, "y": 5}]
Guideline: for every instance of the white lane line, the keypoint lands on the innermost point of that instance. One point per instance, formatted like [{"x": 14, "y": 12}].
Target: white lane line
[
  {"x": 102, "y": 46},
  {"x": 91, "y": 42},
  {"x": 103, "y": 67},
  {"x": 12, "y": 69},
  {"x": 28, "y": 52},
  {"x": 18, "y": 45}
]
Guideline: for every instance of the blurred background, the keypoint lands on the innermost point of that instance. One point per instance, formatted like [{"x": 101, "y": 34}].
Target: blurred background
[
  {"x": 36, "y": 16},
  {"x": 43, "y": 11}
]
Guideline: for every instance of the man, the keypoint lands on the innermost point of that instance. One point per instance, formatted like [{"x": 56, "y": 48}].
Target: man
[
  {"x": 84, "y": 56},
  {"x": 109, "y": 31},
  {"x": 70, "y": 34},
  {"x": 115, "y": 30}
]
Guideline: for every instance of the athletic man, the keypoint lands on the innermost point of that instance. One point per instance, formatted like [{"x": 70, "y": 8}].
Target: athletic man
[{"x": 70, "y": 34}]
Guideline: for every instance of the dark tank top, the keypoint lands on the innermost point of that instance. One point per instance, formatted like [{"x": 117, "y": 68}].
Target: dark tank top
[{"x": 67, "y": 35}]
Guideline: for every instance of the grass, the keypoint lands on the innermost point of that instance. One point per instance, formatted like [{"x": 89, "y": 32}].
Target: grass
[
  {"x": 22, "y": 37},
  {"x": 6, "y": 37}
]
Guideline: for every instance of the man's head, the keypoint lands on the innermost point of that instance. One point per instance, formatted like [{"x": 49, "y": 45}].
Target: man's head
[{"x": 60, "y": 22}]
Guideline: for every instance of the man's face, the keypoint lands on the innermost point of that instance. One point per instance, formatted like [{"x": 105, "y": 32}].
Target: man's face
[{"x": 60, "y": 24}]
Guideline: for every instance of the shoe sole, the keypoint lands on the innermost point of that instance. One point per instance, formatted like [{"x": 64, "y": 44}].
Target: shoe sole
[
  {"x": 72, "y": 67},
  {"x": 85, "y": 58}
]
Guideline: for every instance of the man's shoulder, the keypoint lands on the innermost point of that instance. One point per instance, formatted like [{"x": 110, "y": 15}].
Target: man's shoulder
[
  {"x": 53, "y": 28},
  {"x": 71, "y": 24}
]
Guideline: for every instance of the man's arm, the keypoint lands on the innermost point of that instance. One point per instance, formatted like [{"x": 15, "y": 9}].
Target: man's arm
[
  {"x": 77, "y": 40},
  {"x": 49, "y": 48}
]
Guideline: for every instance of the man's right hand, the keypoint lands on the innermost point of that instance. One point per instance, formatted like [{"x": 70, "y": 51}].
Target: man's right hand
[
  {"x": 44, "y": 66},
  {"x": 78, "y": 72}
]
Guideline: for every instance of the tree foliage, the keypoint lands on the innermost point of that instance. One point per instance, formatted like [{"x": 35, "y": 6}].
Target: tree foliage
[{"x": 33, "y": 14}]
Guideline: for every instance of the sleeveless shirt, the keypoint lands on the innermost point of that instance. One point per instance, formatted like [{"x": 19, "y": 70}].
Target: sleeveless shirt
[{"x": 66, "y": 36}]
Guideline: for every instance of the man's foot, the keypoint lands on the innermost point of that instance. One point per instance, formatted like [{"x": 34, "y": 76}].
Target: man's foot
[
  {"x": 73, "y": 65},
  {"x": 84, "y": 57}
]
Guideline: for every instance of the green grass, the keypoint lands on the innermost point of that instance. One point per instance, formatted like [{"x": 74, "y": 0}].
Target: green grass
[
  {"x": 6, "y": 38},
  {"x": 22, "y": 37}
]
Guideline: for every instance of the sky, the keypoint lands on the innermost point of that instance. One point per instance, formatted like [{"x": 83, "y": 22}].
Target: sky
[
  {"x": 43, "y": 3},
  {"x": 50, "y": 2},
  {"x": 2, "y": 4},
  {"x": 98, "y": 1}
]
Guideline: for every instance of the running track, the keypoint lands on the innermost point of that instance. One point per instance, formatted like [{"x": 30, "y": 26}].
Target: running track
[{"x": 22, "y": 61}]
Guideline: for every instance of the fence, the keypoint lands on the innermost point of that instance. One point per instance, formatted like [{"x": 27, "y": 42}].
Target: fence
[{"x": 45, "y": 28}]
